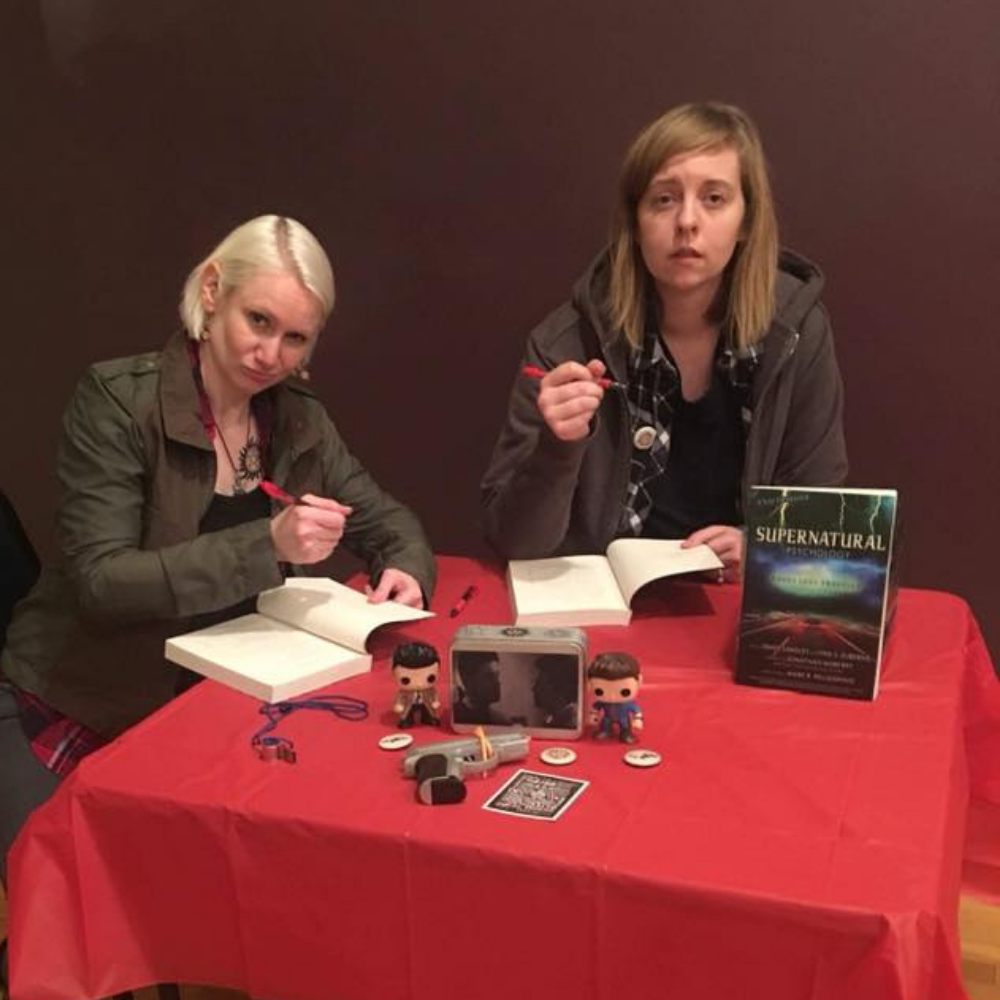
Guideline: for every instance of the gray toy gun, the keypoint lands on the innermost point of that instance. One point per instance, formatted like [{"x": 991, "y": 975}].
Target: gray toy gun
[{"x": 441, "y": 767}]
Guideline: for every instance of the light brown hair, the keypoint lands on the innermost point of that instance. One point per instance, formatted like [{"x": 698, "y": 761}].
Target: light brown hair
[{"x": 746, "y": 305}]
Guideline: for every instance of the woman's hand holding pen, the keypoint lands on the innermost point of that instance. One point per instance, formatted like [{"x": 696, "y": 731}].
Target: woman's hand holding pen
[
  {"x": 308, "y": 531},
  {"x": 569, "y": 395}
]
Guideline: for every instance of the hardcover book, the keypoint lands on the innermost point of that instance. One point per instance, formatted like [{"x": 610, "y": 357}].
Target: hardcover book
[
  {"x": 598, "y": 590},
  {"x": 306, "y": 634},
  {"x": 818, "y": 589}
]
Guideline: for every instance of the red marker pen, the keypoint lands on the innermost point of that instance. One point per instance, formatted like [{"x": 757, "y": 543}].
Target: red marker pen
[
  {"x": 460, "y": 604},
  {"x": 277, "y": 493},
  {"x": 533, "y": 371}
]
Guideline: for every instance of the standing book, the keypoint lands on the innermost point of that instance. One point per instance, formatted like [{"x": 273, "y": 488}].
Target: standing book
[
  {"x": 598, "y": 590},
  {"x": 818, "y": 589},
  {"x": 306, "y": 634}
]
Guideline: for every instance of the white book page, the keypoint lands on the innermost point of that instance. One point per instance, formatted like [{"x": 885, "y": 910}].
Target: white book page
[
  {"x": 637, "y": 561},
  {"x": 554, "y": 590},
  {"x": 331, "y": 610},
  {"x": 264, "y": 657}
]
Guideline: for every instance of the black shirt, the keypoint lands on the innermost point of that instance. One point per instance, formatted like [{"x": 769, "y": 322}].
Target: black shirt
[
  {"x": 701, "y": 482},
  {"x": 226, "y": 512}
]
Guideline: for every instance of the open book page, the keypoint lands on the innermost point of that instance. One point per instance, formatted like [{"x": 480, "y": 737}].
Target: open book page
[
  {"x": 265, "y": 658},
  {"x": 568, "y": 590},
  {"x": 331, "y": 610},
  {"x": 638, "y": 561}
]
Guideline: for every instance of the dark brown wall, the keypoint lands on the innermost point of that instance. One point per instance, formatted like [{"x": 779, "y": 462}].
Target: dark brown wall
[{"x": 458, "y": 159}]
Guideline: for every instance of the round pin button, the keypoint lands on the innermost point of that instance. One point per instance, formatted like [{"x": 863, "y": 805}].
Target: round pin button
[
  {"x": 558, "y": 756},
  {"x": 395, "y": 741},
  {"x": 642, "y": 758},
  {"x": 644, "y": 437}
]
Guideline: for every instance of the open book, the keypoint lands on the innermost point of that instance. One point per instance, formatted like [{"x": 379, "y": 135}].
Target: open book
[
  {"x": 597, "y": 590},
  {"x": 307, "y": 633}
]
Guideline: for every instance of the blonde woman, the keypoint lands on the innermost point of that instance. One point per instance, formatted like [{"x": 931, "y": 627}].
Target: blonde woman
[
  {"x": 693, "y": 360},
  {"x": 164, "y": 522}
]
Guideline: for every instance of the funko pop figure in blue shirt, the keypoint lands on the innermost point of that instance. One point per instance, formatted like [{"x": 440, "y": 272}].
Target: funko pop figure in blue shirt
[{"x": 614, "y": 680}]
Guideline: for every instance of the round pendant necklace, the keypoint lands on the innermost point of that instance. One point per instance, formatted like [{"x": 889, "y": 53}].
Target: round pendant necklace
[{"x": 249, "y": 469}]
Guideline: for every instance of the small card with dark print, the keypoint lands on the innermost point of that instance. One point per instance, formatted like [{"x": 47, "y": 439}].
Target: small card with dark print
[{"x": 536, "y": 795}]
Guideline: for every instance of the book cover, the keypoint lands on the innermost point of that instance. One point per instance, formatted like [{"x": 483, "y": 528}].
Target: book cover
[{"x": 818, "y": 589}]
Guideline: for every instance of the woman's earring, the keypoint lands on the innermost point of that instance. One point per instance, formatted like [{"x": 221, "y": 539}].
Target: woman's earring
[
  {"x": 205, "y": 332},
  {"x": 303, "y": 372}
]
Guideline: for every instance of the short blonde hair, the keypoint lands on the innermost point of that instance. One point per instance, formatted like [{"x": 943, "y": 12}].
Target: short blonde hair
[
  {"x": 267, "y": 243},
  {"x": 748, "y": 285}
]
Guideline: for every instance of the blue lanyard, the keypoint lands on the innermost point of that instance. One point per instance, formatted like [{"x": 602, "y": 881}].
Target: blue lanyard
[{"x": 343, "y": 706}]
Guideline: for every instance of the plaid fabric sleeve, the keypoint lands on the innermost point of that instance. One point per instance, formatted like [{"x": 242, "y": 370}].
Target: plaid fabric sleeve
[{"x": 56, "y": 740}]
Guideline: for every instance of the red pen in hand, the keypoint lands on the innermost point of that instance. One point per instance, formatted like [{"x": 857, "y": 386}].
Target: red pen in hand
[
  {"x": 277, "y": 493},
  {"x": 533, "y": 371}
]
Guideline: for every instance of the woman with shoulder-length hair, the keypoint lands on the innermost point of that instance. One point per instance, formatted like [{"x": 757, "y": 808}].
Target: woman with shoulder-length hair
[
  {"x": 694, "y": 359},
  {"x": 164, "y": 523}
]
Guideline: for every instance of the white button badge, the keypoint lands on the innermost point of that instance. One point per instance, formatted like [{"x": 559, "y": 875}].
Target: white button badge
[
  {"x": 559, "y": 756},
  {"x": 642, "y": 758},
  {"x": 644, "y": 437},
  {"x": 395, "y": 741}
]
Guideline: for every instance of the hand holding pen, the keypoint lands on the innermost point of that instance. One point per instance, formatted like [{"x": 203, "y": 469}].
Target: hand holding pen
[
  {"x": 568, "y": 396},
  {"x": 533, "y": 371},
  {"x": 308, "y": 529},
  {"x": 275, "y": 492}
]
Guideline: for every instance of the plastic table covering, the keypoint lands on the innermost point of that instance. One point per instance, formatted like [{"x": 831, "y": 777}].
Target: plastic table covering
[{"x": 789, "y": 846}]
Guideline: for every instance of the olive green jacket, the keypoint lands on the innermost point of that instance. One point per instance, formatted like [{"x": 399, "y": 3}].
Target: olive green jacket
[{"x": 138, "y": 472}]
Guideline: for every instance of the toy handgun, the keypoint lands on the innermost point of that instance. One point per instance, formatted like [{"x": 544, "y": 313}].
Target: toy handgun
[{"x": 441, "y": 767}]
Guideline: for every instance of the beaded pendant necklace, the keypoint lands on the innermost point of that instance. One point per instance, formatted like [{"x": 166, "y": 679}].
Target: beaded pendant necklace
[{"x": 249, "y": 468}]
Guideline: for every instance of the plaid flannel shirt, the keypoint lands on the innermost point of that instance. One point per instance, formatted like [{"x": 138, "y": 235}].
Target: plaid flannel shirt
[{"x": 57, "y": 741}]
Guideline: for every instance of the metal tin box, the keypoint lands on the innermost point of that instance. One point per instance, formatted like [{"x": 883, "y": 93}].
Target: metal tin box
[{"x": 504, "y": 676}]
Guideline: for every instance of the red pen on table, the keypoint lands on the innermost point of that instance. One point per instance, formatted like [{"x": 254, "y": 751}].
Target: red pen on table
[
  {"x": 533, "y": 371},
  {"x": 460, "y": 604}
]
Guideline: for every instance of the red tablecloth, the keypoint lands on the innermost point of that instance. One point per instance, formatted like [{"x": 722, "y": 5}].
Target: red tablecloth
[{"x": 789, "y": 847}]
